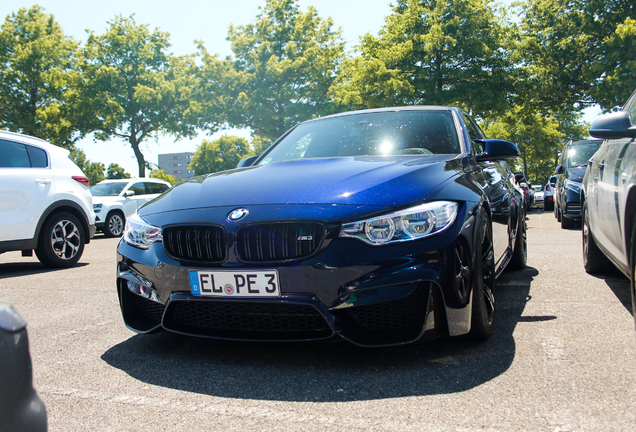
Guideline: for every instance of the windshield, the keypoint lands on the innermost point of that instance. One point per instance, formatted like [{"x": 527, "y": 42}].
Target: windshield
[
  {"x": 580, "y": 154},
  {"x": 107, "y": 189},
  {"x": 380, "y": 133}
]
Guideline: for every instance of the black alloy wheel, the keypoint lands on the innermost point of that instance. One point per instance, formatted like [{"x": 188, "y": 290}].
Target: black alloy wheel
[
  {"x": 594, "y": 260},
  {"x": 61, "y": 241},
  {"x": 632, "y": 267},
  {"x": 520, "y": 254},
  {"x": 461, "y": 270},
  {"x": 483, "y": 284},
  {"x": 114, "y": 226}
]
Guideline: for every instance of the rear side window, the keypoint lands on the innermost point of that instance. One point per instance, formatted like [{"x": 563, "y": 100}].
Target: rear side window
[
  {"x": 155, "y": 188},
  {"x": 37, "y": 156}
]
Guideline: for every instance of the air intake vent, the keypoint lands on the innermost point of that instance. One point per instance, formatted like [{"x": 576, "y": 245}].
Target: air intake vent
[
  {"x": 278, "y": 241},
  {"x": 196, "y": 243}
]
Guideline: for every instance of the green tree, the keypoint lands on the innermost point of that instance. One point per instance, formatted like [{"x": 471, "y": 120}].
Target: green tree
[
  {"x": 162, "y": 175},
  {"x": 578, "y": 52},
  {"x": 93, "y": 170},
  {"x": 539, "y": 137},
  {"x": 116, "y": 172},
  {"x": 37, "y": 61},
  {"x": 433, "y": 52},
  {"x": 219, "y": 155},
  {"x": 133, "y": 88},
  {"x": 282, "y": 69}
]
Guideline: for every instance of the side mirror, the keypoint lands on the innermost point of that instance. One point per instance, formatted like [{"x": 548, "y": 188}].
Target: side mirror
[
  {"x": 497, "y": 150},
  {"x": 247, "y": 161},
  {"x": 560, "y": 169},
  {"x": 129, "y": 193},
  {"x": 614, "y": 125}
]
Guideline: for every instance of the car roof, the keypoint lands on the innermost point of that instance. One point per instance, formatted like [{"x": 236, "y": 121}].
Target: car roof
[
  {"x": 148, "y": 179},
  {"x": 388, "y": 109},
  {"x": 31, "y": 140}
]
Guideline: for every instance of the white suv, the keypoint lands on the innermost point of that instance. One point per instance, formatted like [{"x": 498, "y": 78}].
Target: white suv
[
  {"x": 45, "y": 204},
  {"x": 116, "y": 200}
]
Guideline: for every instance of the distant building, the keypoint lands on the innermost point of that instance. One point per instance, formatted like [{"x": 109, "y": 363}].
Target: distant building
[{"x": 176, "y": 164}]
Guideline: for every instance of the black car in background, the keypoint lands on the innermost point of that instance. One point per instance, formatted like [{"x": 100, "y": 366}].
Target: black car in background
[
  {"x": 609, "y": 196},
  {"x": 570, "y": 172},
  {"x": 381, "y": 227}
]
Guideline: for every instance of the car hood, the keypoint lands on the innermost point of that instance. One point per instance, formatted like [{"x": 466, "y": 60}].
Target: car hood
[
  {"x": 359, "y": 181},
  {"x": 576, "y": 173}
]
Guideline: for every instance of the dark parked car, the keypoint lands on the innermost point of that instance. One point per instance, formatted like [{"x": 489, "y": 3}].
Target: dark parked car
[
  {"x": 528, "y": 192},
  {"x": 609, "y": 196},
  {"x": 570, "y": 172},
  {"x": 21, "y": 409},
  {"x": 548, "y": 193},
  {"x": 382, "y": 227}
]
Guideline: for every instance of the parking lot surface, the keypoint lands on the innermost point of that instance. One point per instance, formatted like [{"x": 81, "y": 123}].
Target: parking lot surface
[{"x": 562, "y": 358}]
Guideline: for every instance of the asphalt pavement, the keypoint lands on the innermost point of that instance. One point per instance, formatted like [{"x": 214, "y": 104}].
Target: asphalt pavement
[{"x": 562, "y": 358}]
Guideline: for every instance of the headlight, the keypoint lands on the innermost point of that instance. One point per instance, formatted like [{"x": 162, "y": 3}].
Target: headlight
[
  {"x": 140, "y": 233},
  {"x": 97, "y": 207},
  {"x": 573, "y": 186},
  {"x": 410, "y": 224}
]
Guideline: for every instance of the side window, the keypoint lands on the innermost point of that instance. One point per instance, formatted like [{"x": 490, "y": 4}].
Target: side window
[
  {"x": 38, "y": 157},
  {"x": 138, "y": 188},
  {"x": 13, "y": 155},
  {"x": 155, "y": 188},
  {"x": 474, "y": 133},
  {"x": 630, "y": 107}
]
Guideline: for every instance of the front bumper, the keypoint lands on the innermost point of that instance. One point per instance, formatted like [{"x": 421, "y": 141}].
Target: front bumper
[{"x": 371, "y": 296}]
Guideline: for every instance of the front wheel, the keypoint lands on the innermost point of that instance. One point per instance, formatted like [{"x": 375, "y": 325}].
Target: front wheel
[
  {"x": 483, "y": 303},
  {"x": 61, "y": 241},
  {"x": 114, "y": 226}
]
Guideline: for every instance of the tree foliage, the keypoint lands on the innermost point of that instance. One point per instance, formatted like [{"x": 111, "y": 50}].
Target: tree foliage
[
  {"x": 432, "y": 52},
  {"x": 37, "y": 60},
  {"x": 282, "y": 68},
  {"x": 93, "y": 170},
  {"x": 132, "y": 88},
  {"x": 116, "y": 172},
  {"x": 219, "y": 155},
  {"x": 162, "y": 175},
  {"x": 540, "y": 138},
  {"x": 578, "y": 52}
]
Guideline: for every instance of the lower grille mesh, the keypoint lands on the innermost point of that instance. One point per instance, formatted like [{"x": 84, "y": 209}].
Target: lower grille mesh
[{"x": 247, "y": 320}]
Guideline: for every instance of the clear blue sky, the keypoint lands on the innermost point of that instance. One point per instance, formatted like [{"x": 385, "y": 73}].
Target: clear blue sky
[{"x": 186, "y": 21}]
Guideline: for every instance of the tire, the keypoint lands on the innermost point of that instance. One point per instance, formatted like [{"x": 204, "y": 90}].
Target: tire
[
  {"x": 558, "y": 215},
  {"x": 520, "y": 255},
  {"x": 594, "y": 260},
  {"x": 566, "y": 223},
  {"x": 114, "y": 225},
  {"x": 61, "y": 242},
  {"x": 483, "y": 281},
  {"x": 632, "y": 267}
]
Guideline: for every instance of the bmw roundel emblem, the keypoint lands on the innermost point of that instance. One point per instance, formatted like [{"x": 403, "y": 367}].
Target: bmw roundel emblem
[{"x": 237, "y": 214}]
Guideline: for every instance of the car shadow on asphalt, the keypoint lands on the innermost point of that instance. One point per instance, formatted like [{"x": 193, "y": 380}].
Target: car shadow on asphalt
[
  {"x": 328, "y": 372},
  {"x": 619, "y": 285},
  {"x": 13, "y": 269}
]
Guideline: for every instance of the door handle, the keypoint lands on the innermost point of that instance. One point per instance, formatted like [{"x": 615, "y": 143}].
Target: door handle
[
  {"x": 600, "y": 165},
  {"x": 43, "y": 181}
]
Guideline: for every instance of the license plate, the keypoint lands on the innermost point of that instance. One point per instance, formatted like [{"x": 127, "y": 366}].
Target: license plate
[{"x": 229, "y": 283}]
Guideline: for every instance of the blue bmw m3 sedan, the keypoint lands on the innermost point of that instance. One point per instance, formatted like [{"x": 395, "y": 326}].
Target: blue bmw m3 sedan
[{"x": 382, "y": 227}]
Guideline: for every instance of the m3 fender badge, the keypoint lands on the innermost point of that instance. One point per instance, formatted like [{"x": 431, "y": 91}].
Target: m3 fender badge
[{"x": 237, "y": 214}]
